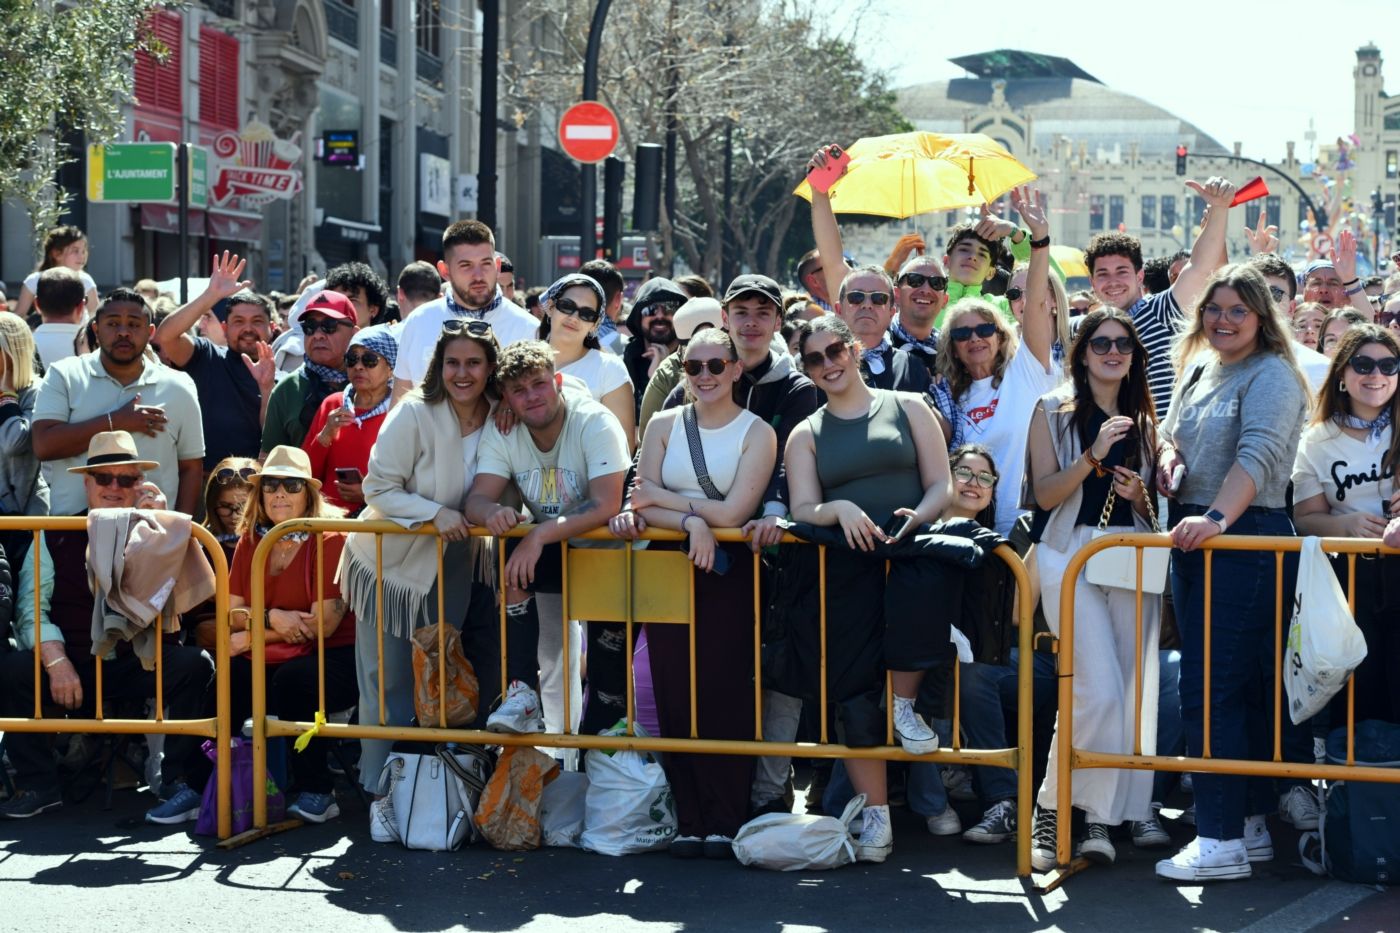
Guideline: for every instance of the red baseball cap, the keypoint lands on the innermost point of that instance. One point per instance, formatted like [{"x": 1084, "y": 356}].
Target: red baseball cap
[{"x": 332, "y": 305}]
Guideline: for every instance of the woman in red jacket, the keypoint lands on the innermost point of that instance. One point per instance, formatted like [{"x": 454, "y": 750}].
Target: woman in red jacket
[{"x": 347, "y": 423}]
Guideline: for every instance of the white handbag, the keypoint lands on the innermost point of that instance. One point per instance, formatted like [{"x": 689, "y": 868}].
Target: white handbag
[
  {"x": 798, "y": 841},
  {"x": 431, "y": 798},
  {"x": 1117, "y": 566}
]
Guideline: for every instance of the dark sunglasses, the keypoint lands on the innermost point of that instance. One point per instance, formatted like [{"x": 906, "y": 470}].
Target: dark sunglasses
[
  {"x": 1101, "y": 345},
  {"x": 229, "y": 506},
  {"x": 1015, "y": 293},
  {"x": 661, "y": 307},
  {"x": 291, "y": 484},
  {"x": 325, "y": 326},
  {"x": 938, "y": 283},
  {"x": 106, "y": 479},
  {"x": 967, "y": 474},
  {"x": 964, "y": 334},
  {"x": 506, "y": 267},
  {"x": 1365, "y": 365},
  {"x": 695, "y": 367},
  {"x": 474, "y": 327},
  {"x": 229, "y": 475},
  {"x": 878, "y": 299},
  {"x": 816, "y": 358},
  {"x": 570, "y": 307},
  {"x": 370, "y": 359}
]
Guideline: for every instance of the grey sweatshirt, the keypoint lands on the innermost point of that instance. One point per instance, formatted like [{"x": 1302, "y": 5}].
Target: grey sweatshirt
[{"x": 1250, "y": 412}]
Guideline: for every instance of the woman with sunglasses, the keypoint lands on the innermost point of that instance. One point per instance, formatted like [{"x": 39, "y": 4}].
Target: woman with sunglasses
[
  {"x": 1229, "y": 443},
  {"x": 347, "y": 423},
  {"x": 1344, "y": 487},
  {"x": 705, "y": 465},
  {"x": 992, "y": 379},
  {"x": 304, "y": 610},
  {"x": 1093, "y": 450},
  {"x": 573, "y": 312}
]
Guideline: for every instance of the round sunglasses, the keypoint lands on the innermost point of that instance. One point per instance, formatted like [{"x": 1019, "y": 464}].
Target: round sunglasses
[
  {"x": 229, "y": 475},
  {"x": 570, "y": 307},
  {"x": 964, "y": 334},
  {"x": 369, "y": 359},
  {"x": 1365, "y": 365},
  {"x": 473, "y": 327},
  {"x": 695, "y": 367}
]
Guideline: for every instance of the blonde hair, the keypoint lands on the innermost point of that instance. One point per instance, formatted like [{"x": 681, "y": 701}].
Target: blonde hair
[
  {"x": 17, "y": 343},
  {"x": 950, "y": 367},
  {"x": 1273, "y": 336}
]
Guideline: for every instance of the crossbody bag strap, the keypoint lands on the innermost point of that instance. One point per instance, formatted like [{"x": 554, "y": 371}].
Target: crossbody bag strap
[{"x": 697, "y": 453}]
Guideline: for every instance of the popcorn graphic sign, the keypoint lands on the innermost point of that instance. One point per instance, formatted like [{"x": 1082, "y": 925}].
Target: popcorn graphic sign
[{"x": 253, "y": 167}]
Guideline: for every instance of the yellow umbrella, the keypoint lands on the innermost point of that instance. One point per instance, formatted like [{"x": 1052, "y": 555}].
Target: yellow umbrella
[
  {"x": 915, "y": 173},
  {"x": 1070, "y": 260}
]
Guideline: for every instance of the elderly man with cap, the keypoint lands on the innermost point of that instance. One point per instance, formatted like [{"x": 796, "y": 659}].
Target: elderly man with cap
[
  {"x": 695, "y": 314},
  {"x": 327, "y": 325},
  {"x": 346, "y": 425},
  {"x": 113, "y": 476},
  {"x": 1333, "y": 282},
  {"x": 653, "y": 334}
]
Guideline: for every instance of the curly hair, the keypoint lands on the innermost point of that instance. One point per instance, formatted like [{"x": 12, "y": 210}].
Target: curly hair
[
  {"x": 947, "y": 363},
  {"x": 524, "y": 358},
  {"x": 1113, "y": 244}
]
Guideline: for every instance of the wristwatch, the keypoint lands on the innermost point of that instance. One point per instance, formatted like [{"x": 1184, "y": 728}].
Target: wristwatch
[{"x": 1215, "y": 515}]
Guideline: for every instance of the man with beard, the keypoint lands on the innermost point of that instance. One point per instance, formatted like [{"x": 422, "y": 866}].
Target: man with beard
[
  {"x": 653, "y": 333},
  {"x": 236, "y": 381},
  {"x": 118, "y": 387},
  {"x": 326, "y": 325},
  {"x": 469, "y": 265}
]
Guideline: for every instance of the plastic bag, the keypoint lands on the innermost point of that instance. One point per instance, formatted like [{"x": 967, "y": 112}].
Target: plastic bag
[
  {"x": 628, "y": 807},
  {"x": 508, "y": 815},
  {"x": 242, "y": 793},
  {"x": 798, "y": 841},
  {"x": 463, "y": 692},
  {"x": 562, "y": 809},
  {"x": 1324, "y": 643}
]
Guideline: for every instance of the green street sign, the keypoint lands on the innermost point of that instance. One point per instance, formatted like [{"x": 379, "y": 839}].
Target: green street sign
[
  {"x": 199, "y": 176},
  {"x": 131, "y": 172}
]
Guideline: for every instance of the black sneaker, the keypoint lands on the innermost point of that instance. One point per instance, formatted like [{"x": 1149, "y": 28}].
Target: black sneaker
[
  {"x": 998, "y": 824},
  {"x": 27, "y": 803},
  {"x": 1043, "y": 840},
  {"x": 719, "y": 847},
  {"x": 686, "y": 847},
  {"x": 1096, "y": 846}
]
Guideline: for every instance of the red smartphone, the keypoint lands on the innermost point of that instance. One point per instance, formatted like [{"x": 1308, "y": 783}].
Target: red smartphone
[
  {"x": 349, "y": 475},
  {"x": 821, "y": 179}
]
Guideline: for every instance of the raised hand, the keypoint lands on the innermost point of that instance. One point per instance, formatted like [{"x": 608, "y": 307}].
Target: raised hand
[
  {"x": 1264, "y": 237},
  {"x": 264, "y": 370},
  {"x": 1344, "y": 256},
  {"x": 224, "y": 276},
  {"x": 907, "y": 245},
  {"x": 993, "y": 228},
  {"x": 1215, "y": 191},
  {"x": 1030, "y": 204}
]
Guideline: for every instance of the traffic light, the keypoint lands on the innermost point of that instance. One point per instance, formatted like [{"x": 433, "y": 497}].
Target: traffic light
[
  {"x": 1181, "y": 160},
  {"x": 646, "y": 188},
  {"x": 613, "y": 173}
]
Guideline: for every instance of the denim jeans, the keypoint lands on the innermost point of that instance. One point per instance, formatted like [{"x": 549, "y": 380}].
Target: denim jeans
[
  {"x": 1169, "y": 731},
  {"x": 988, "y": 698},
  {"x": 1242, "y": 665},
  {"x": 926, "y": 794}
]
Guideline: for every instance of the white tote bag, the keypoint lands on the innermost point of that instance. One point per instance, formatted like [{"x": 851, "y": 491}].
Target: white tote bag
[
  {"x": 798, "y": 841},
  {"x": 1324, "y": 644},
  {"x": 432, "y": 797},
  {"x": 1117, "y": 566},
  {"x": 628, "y": 807}
]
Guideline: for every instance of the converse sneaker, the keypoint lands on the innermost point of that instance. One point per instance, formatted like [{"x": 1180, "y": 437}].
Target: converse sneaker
[
  {"x": 381, "y": 821},
  {"x": 914, "y": 734},
  {"x": 1258, "y": 844},
  {"x": 998, "y": 824},
  {"x": 1207, "y": 860},
  {"x": 1149, "y": 834},
  {"x": 1043, "y": 840},
  {"x": 1096, "y": 846},
  {"x": 945, "y": 823},
  {"x": 876, "y": 840},
  {"x": 181, "y": 807},
  {"x": 519, "y": 712},
  {"x": 1299, "y": 807}
]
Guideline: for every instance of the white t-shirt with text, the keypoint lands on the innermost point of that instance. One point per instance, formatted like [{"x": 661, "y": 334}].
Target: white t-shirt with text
[{"x": 1345, "y": 470}]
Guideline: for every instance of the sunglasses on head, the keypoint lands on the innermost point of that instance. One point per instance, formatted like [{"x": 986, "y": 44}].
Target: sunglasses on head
[
  {"x": 473, "y": 327},
  {"x": 291, "y": 484},
  {"x": 570, "y": 307},
  {"x": 1365, "y": 365},
  {"x": 816, "y": 358},
  {"x": 695, "y": 367},
  {"x": 660, "y": 307},
  {"x": 965, "y": 474},
  {"x": 938, "y": 283},
  {"x": 107, "y": 479},
  {"x": 878, "y": 299},
  {"x": 964, "y": 334},
  {"x": 229, "y": 475},
  {"x": 325, "y": 326},
  {"x": 1101, "y": 345},
  {"x": 369, "y": 358}
]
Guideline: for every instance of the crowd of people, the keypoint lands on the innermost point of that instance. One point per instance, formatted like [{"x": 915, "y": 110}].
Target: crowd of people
[{"x": 912, "y": 416}]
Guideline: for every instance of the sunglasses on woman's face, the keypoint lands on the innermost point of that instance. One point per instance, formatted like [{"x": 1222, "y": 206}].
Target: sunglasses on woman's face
[
  {"x": 227, "y": 507},
  {"x": 938, "y": 283},
  {"x": 1365, "y": 365},
  {"x": 1015, "y": 293},
  {"x": 325, "y": 326},
  {"x": 370, "y": 360},
  {"x": 107, "y": 479},
  {"x": 695, "y": 367},
  {"x": 291, "y": 484},
  {"x": 964, "y": 334},
  {"x": 814, "y": 360},
  {"x": 1101, "y": 345},
  {"x": 878, "y": 299},
  {"x": 471, "y": 326},
  {"x": 229, "y": 475},
  {"x": 966, "y": 475},
  {"x": 570, "y": 307}
]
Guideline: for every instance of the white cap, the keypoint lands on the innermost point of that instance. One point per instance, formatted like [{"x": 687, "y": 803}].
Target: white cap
[{"x": 695, "y": 312}]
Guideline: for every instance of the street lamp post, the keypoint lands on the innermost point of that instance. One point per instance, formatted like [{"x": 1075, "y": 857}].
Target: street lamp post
[{"x": 588, "y": 174}]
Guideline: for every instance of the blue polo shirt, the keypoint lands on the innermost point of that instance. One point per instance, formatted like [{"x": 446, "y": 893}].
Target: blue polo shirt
[{"x": 229, "y": 402}]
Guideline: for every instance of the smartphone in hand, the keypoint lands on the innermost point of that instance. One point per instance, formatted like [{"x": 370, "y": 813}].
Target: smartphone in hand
[
  {"x": 897, "y": 527},
  {"x": 349, "y": 475},
  {"x": 822, "y": 178}
]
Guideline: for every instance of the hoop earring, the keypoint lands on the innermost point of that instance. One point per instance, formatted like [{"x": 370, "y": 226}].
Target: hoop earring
[{"x": 1342, "y": 387}]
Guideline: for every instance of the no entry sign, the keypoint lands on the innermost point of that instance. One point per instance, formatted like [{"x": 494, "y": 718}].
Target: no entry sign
[{"x": 588, "y": 131}]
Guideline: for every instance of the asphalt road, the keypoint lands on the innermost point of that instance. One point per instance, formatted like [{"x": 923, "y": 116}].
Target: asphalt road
[{"x": 84, "y": 868}]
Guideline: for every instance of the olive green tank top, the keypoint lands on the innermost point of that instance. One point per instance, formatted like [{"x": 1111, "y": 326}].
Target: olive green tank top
[{"x": 870, "y": 460}]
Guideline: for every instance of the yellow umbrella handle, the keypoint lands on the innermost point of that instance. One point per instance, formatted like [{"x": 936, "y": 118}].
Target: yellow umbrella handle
[{"x": 971, "y": 183}]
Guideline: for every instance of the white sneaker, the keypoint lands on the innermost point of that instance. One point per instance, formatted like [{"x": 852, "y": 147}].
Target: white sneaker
[
  {"x": 519, "y": 712},
  {"x": 381, "y": 821},
  {"x": 876, "y": 840},
  {"x": 914, "y": 734},
  {"x": 1299, "y": 807},
  {"x": 1207, "y": 860},
  {"x": 1258, "y": 844},
  {"x": 945, "y": 823}
]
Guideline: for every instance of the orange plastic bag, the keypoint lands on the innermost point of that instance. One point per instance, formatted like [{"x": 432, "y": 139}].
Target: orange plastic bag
[
  {"x": 463, "y": 692},
  {"x": 508, "y": 814}
]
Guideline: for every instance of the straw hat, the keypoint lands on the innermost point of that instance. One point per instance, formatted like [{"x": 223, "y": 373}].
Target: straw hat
[
  {"x": 288, "y": 461},
  {"x": 114, "y": 448}
]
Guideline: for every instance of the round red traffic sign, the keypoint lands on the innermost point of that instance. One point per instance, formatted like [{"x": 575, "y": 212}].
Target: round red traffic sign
[{"x": 588, "y": 131}]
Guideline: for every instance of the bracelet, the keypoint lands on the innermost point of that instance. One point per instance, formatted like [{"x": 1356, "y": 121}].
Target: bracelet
[
  {"x": 1096, "y": 463},
  {"x": 11, "y": 396},
  {"x": 56, "y": 661},
  {"x": 1041, "y": 243},
  {"x": 1351, "y": 283},
  {"x": 1355, "y": 291},
  {"x": 688, "y": 516}
]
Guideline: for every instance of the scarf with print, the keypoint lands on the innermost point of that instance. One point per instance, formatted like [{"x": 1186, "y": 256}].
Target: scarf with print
[
  {"x": 457, "y": 310},
  {"x": 349, "y": 405},
  {"x": 928, "y": 346},
  {"x": 1375, "y": 430},
  {"x": 294, "y": 536},
  {"x": 334, "y": 378},
  {"x": 874, "y": 358}
]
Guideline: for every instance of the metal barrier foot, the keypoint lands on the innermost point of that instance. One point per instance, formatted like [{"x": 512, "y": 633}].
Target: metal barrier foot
[
  {"x": 1055, "y": 877},
  {"x": 258, "y": 832}
]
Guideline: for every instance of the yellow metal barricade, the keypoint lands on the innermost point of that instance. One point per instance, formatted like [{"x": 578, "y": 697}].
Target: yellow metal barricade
[
  {"x": 1071, "y": 759},
  {"x": 657, "y": 586},
  {"x": 216, "y": 728}
]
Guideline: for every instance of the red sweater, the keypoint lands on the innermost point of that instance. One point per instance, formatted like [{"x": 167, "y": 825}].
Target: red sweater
[{"x": 350, "y": 448}]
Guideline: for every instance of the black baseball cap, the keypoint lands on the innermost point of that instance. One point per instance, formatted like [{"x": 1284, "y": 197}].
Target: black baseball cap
[{"x": 760, "y": 285}]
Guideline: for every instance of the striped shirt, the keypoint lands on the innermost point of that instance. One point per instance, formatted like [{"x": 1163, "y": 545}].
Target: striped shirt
[{"x": 1158, "y": 319}]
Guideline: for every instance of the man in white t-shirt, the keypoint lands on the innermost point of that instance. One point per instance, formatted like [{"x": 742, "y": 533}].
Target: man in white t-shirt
[
  {"x": 469, "y": 264},
  {"x": 568, "y": 458},
  {"x": 60, "y": 295}
]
